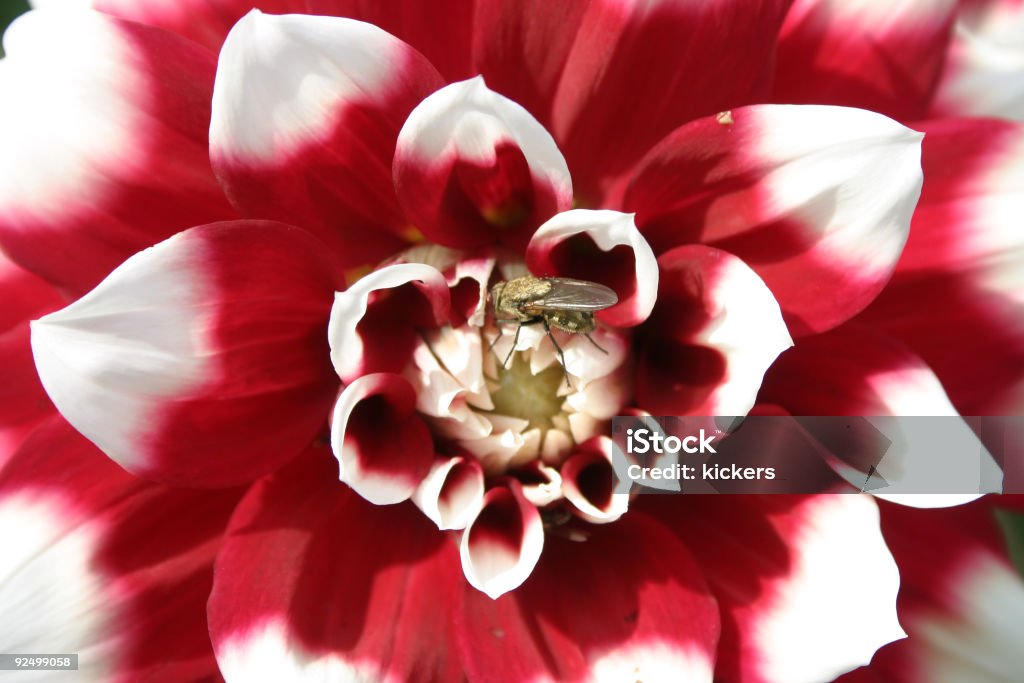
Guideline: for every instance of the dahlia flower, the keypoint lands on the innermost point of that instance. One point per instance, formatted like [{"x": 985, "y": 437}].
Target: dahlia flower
[{"x": 270, "y": 240}]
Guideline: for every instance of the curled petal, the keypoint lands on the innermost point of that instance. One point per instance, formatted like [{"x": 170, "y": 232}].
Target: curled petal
[
  {"x": 452, "y": 492},
  {"x": 882, "y": 55},
  {"x": 588, "y": 481},
  {"x": 383, "y": 447},
  {"x": 714, "y": 332},
  {"x": 501, "y": 546},
  {"x": 316, "y": 151},
  {"x": 448, "y": 377},
  {"x": 600, "y": 246},
  {"x": 374, "y": 322},
  {"x": 473, "y": 167},
  {"x": 105, "y": 153},
  {"x": 541, "y": 485},
  {"x": 468, "y": 275},
  {"x": 817, "y": 200},
  {"x": 468, "y": 283},
  {"x": 170, "y": 361}
]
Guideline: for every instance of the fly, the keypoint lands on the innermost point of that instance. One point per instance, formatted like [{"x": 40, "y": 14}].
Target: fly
[{"x": 556, "y": 302}]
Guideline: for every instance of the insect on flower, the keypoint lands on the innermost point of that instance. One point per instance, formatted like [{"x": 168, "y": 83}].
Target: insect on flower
[{"x": 555, "y": 302}]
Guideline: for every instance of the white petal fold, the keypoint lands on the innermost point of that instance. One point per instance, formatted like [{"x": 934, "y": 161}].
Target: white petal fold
[
  {"x": 347, "y": 346},
  {"x": 468, "y": 120},
  {"x": 635, "y": 282},
  {"x": 502, "y": 545},
  {"x": 452, "y": 493}
]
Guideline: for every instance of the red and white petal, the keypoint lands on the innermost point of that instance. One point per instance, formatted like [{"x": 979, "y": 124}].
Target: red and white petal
[
  {"x": 306, "y": 111},
  {"x": 627, "y": 604},
  {"x": 98, "y": 563},
  {"x": 980, "y": 641},
  {"x": 374, "y": 323},
  {"x": 441, "y": 31},
  {"x": 169, "y": 363},
  {"x": 806, "y": 584},
  {"x": 873, "y": 54},
  {"x": 472, "y": 167},
  {"x": 982, "y": 75},
  {"x": 468, "y": 283},
  {"x": 817, "y": 200},
  {"x": 452, "y": 492},
  {"x": 502, "y": 544},
  {"x": 962, "y": 602},
  {"x": 541, "y": 484},
  {"x": 588, "y": 481},
  {"x": 205, "y": 21},
  {"x": 714, "y": 332},
  {"x": 312, "y": 581},
  {"x": 854, "y": 370},
  {"x": 957, "y": 291},
  {"x": 467, "y": 274},
  {"x": 973, "y": 190},
  {"x": 835, "y": 546},
  {"x": 382, "y": 445},
  {"x": 604, "y": 247},
  {"x": 105, "y": 152},
  {"x": 612, "y": 77}
]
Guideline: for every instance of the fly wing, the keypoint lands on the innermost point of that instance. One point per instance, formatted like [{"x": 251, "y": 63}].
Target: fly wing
[{"x": 567, "y": 294}]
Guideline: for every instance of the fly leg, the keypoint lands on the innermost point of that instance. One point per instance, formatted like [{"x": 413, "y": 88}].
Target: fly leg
[
  {"x": 497, "y": 325},
  {"x": 596, "y": 345},
  {"x": 558, "y": 349},
  {"x": 515, "y": 340}
]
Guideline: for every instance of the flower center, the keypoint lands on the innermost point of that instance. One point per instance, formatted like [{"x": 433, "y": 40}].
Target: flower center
[
  {"x": 528, "y": 396},
  {"x": 510, "y": 407}
]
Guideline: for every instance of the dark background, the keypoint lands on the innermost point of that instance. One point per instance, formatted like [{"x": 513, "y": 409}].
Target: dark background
[{"x": 8, "y": 10}]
